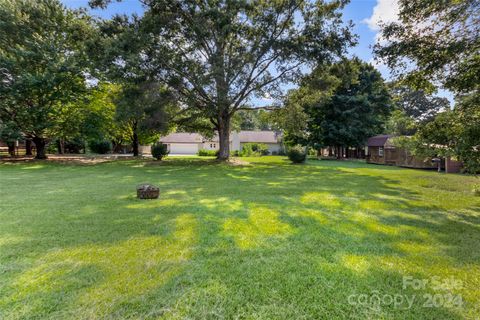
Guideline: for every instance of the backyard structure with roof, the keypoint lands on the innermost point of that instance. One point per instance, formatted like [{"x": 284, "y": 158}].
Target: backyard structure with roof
[{"x": 381, "y": 150}]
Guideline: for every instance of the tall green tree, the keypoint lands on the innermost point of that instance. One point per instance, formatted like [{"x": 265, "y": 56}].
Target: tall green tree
[
  {"x": 434, "y": 42},
  {"x": 144, "y": 107},
  {"x": 253, "y": 120},
  {"x": 217, "y": 55},
  {"x": 418, "y": 104},
  {"x": 146, "y": 110},
  {"x": 343, "y": 103},
  {"x": 400, "y": 124},
  {"x": 413, "y": 108},
  {"x": 99, "y": 115},
  {"x": 42, "y": 64},
  {"x": 10, "y": 134},
  {"x": 437, "y": 44}
]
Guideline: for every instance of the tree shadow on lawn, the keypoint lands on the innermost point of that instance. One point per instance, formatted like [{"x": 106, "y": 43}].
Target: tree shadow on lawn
[
  {"x": 287, "y": 267},
  {"x": 262, "y": 246}
]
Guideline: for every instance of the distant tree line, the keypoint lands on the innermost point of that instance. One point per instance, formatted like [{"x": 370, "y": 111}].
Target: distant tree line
[{"x": 68, "y": 79}]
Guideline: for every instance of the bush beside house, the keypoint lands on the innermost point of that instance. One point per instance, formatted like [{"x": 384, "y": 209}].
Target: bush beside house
[
  {"x": 159, "y": 151},
  {"x": 207, "y": 153},
  {"x": 297, "y": 154},
  {"x": 253, "y": 150}
]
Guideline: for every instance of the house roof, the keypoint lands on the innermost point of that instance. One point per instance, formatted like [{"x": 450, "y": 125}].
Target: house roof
[
  {"x": 245, "y": 136},
  {"x": 260, "y": 136},
  {"x": 185, "y": 137},
  {"x": 182, "y": 137},
  {"x": 378, "y": 141}
]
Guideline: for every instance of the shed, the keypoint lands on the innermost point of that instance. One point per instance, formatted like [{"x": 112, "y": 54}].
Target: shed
[{"x": 381, "y": 150}]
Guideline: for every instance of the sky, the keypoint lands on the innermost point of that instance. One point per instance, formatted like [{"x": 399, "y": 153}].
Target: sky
[{"x": 365, "y": 14}]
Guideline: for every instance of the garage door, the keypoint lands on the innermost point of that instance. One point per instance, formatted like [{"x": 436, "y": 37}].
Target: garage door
[{"x": 183, "y": 148}]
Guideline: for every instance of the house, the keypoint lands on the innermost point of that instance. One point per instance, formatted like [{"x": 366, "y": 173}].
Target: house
[
  {"x": 381, "y": 150},
  {"x": 191, "y": 143}
]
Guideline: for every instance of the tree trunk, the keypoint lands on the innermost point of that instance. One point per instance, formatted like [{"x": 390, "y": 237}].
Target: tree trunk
[
  {"x": 61, "y": 146},
  {"x": 224, "y": 138},
  {"x": 40, "y": 146},
  {"x": 28, "y": 147},
  {"x": 330, "y": 152},
  {"x": 135, "y": 140},
  {"x": 11, "y": 148}
]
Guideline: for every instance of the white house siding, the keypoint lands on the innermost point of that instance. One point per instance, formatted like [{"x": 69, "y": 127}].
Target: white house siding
[
  {"x": 190, "y": 143},
  {"x": 210, "y": 145},
  {"x": 235, "y": 144},
  {"x": 183, "y": 148},
  {"x": 274, "y": 147},
  {"x": 142, "y": 149}
]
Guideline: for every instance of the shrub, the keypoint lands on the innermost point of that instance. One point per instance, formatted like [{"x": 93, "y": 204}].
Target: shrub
[
  {"x": 207, "y": 153},
  {"x": 73, "y": 145},
  {"x": 312, "y": 152},
  {"x": 254, "y": 150},
  {"x": 51, "y": 148},
  {"x": 76, "y": 145},
  {"x": 297, "y": 154},
  {"x": 159, "y": 150},
  {"x": 101, "y": 146}
]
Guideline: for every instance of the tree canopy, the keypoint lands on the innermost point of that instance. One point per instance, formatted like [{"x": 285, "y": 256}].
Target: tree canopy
[
  {"x": 437, "y": 44},
  {"x": 42, "y": 63},
  {"x": 253, "y": 120},
  {"x": 145, "y": 110},
  {"x": 343, "y": 104},
  {"x": 217, "y": 55},
  {"x": 434, "y": 43},
  {"x": 418, "y": 104}
]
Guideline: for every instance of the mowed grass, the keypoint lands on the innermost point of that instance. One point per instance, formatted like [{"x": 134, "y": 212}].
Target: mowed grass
[{"x": 269, "y": 240}]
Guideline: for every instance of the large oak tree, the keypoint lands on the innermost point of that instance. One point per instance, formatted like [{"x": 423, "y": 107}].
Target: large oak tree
[{"x": 217, "y": 55}]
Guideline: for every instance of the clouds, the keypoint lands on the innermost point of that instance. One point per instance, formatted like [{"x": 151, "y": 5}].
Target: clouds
[{"x": 384, "y": 11}]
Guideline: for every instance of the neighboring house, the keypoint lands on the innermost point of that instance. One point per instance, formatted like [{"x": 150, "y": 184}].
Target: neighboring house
[
  {"x": 381, "y": 150},
  {"x": 376, "y": 149},
  {"x": 190, "y": 143},
  {"x": 272, "y": 139}
]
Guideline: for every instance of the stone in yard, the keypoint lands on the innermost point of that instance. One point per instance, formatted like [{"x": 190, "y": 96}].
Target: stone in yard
[{"x": 147, "y": 191}]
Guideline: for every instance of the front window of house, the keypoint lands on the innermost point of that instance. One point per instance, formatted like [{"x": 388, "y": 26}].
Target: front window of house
[{"x": 380, "y": 152}]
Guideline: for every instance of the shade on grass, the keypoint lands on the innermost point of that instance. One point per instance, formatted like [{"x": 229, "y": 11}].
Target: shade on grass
[{"x": 267, "y": 240}]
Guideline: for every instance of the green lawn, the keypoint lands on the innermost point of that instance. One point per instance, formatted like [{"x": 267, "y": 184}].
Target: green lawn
[{"x": 269, "y": 240}]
